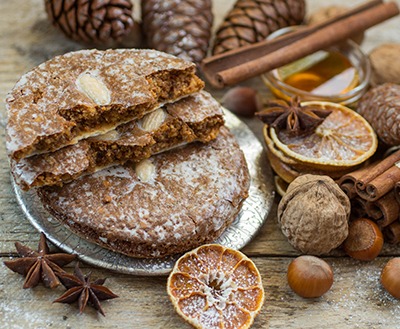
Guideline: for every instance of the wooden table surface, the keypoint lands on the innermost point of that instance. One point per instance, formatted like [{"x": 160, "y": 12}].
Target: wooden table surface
[{"x": 356, "y": 299}]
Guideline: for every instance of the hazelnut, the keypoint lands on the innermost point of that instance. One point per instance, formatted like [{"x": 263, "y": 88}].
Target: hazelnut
[
  {"x": 390, "y": 277},
  {"x": 242, "y": 101},
  {"x": 309, "y": 276},
  {"x": 365, "y": 240},
  {"x": 314, "y": 214}
]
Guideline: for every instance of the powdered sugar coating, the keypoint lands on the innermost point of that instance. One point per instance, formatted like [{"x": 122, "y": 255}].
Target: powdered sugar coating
[
  {"x": 194, "y": 195},
  {"x": 70, "y": 160},
  {"x": 35, "y": 103},
  {"x": 188, "y": 108}
]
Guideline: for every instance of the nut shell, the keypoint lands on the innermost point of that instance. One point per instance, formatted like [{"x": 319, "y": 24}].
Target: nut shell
[
  {"x": 385, "y": 63},
  {"x": 309, "y": 276},
  {"x": 365, "y": 240},
  {"x": 243, "y": 101},
  {"x": 314, "y": 214},
  {"x": 390, "y": 277}
]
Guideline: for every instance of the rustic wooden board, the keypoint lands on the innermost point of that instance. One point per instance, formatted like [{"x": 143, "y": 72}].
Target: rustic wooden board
[{"x": 356, "y": 299}]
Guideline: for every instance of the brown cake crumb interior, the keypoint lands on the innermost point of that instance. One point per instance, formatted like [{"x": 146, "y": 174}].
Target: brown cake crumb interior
[{"x": 165, "y": 86}]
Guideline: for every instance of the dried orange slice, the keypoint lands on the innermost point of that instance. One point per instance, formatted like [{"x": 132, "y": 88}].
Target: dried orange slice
[
  {"x": 280, "y": 185},
  {"x": 288, "y": 168},
  {"x": 216, "y": 287},
  {"x": 344, "y": 139}
]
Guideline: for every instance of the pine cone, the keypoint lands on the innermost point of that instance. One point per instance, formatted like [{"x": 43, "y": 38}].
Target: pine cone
[
  {"x": 91, "y": 21},
  {"x": 178, "y": 27},
  {"x": 251, "y": 21},
  {"x": 380, "y": 106}
]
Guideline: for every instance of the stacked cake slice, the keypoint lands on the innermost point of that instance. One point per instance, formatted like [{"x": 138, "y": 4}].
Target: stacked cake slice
[
  {"x": 90, "y": 92},
  {"x": 197, "y": 117},
  {"x": 104, "y": 138}
]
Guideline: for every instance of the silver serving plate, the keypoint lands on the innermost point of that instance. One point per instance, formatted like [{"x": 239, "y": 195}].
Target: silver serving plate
[{"x": 246, "y": 225}]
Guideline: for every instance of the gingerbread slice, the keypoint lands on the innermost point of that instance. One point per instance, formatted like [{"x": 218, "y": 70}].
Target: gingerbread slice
[
  {"x": 90, "y": 92},
  {"x": 197, "y": 117}
]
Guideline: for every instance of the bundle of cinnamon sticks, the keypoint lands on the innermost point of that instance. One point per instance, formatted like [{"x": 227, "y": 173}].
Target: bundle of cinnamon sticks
[{"x": 374, "y": 192}]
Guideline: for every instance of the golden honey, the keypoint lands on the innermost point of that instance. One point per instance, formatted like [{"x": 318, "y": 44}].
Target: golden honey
[
  {"x": 323, "y": 73},
  {"x": 338, "y": 74}
]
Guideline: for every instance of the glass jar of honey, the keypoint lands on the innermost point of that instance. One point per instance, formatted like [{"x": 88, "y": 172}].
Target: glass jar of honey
[{"x": 337, "y": 74}]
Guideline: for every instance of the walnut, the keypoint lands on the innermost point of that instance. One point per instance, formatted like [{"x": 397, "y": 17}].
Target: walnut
[
  {"x": 328, "y": 12},
  {"x": 314, "y": 214},
  {"x": 385, "y": 64}
]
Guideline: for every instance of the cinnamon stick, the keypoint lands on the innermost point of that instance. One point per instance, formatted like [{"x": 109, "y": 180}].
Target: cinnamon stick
[
  {"x": 391, "y": 233},
  {"x": 384, "y": 210},
  {"x": 238, "y": 65},
  {"x": 374, "y": 213},
  {"x": 381, "y": 166},
  {"x": 380, "y": 185},
  {"x": 347, "y": 182},
  {"x": 397, "y": 192},
  {"x": 349, "y": 189},
  {"x": 358, "y": 207}
]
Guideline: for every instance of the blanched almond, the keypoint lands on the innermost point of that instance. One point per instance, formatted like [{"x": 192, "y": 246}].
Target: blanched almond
[
  {"x": 144, "y": 170},
  {"x": 110, "y": 135},
  {"x": 93, "y": 88},
  {"x": 153, "y": 120}
]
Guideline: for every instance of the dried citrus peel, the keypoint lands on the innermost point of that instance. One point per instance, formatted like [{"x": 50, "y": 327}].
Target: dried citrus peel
[
  {"x": 288, "y": 168},
  {"x": 344, "y": 139},
  {"x": 216, "y": 287}
]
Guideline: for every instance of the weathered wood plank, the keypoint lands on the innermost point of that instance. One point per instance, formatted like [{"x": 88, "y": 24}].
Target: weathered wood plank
[{"x": 356, "y": 300}]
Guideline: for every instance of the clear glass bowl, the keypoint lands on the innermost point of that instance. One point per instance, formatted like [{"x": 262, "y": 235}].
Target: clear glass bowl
[{"x": 348, "y": 49}]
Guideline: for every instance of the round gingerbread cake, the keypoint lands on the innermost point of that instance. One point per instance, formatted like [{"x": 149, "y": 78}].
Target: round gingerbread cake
[{"x": 167, "y": 204}]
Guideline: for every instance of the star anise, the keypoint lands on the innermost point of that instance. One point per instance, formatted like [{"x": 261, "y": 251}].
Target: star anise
[
  {"x": 39, "y": 266},
  {"x": 292, "y": 117},
  {"x": 82, "y": 290}
]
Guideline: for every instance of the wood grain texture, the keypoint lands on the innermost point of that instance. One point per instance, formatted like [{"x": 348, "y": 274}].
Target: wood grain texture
[{"x": 356, "y": 300}]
